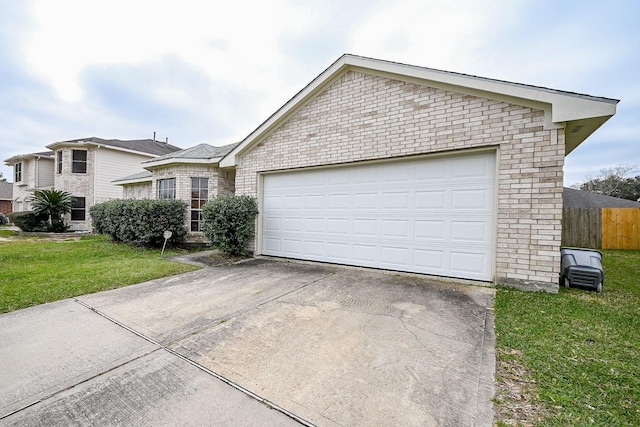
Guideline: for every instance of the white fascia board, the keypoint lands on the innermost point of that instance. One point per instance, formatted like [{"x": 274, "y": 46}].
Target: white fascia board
[
  {"x": 298, "y": 101},
  {"x": 87, "y": 144},
  {"x": 132, "y": 181},
  {"x": 150, "y": 164},
  {"x": 564, "y": 106},
  {"x": 559, "y": 107}
]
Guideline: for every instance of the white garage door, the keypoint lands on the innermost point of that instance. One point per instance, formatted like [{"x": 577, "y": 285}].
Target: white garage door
[{"x": 432, "y": 216}]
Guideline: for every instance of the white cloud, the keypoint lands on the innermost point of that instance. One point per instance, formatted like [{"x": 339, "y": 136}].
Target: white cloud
[
  {"x": 232, "y": 41},
  {"x": 437, "y": 34}
]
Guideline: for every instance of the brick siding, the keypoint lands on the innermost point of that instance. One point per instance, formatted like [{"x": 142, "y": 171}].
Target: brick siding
[{"x": 363, "y": 117}]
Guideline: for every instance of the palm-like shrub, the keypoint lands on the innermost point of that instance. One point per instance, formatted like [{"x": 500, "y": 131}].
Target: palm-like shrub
[{"x": 53, "y": 203}]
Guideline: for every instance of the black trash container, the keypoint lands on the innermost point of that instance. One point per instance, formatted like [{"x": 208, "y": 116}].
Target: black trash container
[{"x": 581, "y": 268}]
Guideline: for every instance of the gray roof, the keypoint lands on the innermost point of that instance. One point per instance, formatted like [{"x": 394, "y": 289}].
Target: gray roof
[
  {"x": 149, "y": 146},
  {"x": 201, "y": 151},
  {"x": 6, "y": 190},
  {"x": 573, "y": 198},
  {"x": 20, "y": 157},
  {"x": 136, "y": 176}
]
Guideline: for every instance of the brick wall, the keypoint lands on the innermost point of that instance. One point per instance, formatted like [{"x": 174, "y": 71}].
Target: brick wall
[
  {"x": 219, "y": 183},
  {"x": 6, "y": 207},
  {"x": 78, "y": 184},
  {"x": 364, "y": 117},
  {"x": 137, "y": 191}
]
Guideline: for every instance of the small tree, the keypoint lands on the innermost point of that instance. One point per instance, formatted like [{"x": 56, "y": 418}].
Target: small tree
[
  {"x": 613, "y": 182},
  {"x": 229, "y": 222},
  {"x": 54, "y": 204}
]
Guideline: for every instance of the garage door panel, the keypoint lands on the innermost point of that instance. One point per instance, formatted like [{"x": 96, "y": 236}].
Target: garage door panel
[
  {"x": 432, "y": 216},
  {"x": 365, "y": 201},
  {"x": 314, "y": 225},
  {"x": 338, "y": 251},
  {"x": 338, "y": 201},
  {"x": 469, "y": 231},
  {"x": 471, "y": 167},
  {"x": 394, "y": 256},
  {"x": 434, "y": 230},
  {"x": 429, "y": 261},
  {"x": 365, "y": 227},
  {"x": 470, "y": 199},
  {"x": 430, "y": 200},
  {"x": 467, "y": 263},
  {"x": 395, "y": 200},
  {"x": 365, "y": 253},
  {"x": 339, "y": 226},
  {"x": 395, "y": 228}
]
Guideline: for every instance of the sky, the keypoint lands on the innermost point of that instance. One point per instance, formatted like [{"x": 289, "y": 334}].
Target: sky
[{"x": 209, "y": 71}]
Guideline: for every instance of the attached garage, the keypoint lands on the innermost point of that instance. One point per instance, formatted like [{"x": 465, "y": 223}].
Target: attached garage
[
  {"x": 405, "y": 168},
  {"x": 426, "y": 215}
]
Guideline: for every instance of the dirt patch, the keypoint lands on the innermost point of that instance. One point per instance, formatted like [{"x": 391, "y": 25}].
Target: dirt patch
[{"x": 514, "y": 402}]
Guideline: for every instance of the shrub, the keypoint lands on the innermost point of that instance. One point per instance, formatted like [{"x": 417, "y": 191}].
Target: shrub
[
  {"x": 229, "y": 222},
  {"x": 29, "y": 221},
  {"x": 140, "y": 222},
  {"x": 54, "y": 204}
]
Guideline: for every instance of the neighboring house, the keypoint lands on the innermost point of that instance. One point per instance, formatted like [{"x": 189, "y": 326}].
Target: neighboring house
[
  {"x": 6, "y": 197},
  {"x": 85, "y": 168},
  {"x": 573, "y": 198},
  {"x": 191, "y": 175},
  {"x": 30, "y": 172},
  {"x": 386, "y": 165}
]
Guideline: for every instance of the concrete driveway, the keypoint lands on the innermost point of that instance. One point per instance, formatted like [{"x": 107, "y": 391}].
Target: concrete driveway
[{"x": 263, "y": 342}]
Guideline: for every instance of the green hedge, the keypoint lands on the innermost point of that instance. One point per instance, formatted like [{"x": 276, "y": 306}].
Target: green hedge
[
  {"x": 141, "y": 222},
  {"x": 229, "y": 222},
  {"x": 29, "y": 221}
]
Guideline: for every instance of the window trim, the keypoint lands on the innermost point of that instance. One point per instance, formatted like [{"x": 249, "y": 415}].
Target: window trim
[
  {"x": 79, "y": 209},
  {"x": 168, "y": 193},
  {"x": 75, "y": 162},
  {"x": 17, "y": 172},
  {"x": 59, "y": 162},
  {"x": 200, "y": 200}
]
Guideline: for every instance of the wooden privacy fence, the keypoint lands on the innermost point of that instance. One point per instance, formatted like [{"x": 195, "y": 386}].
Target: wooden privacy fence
[{"x": 601, "y": 228}]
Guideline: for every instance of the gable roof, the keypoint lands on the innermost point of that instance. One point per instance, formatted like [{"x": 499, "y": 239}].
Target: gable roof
[
  {"x": 579, "y": 114},
  {"x": 202, "y": 153},
  {"x": 573, "y": 198},
  {"x": 20, "y": 157},
  {"x": 142, "y": 146},
  {"x": 6, "y": 190}
]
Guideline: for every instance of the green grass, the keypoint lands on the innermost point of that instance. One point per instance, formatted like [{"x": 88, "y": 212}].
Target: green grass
[
  {"x": 581, "y": 350},
  {"x": 8, "y": 233},
  {"x": 33, "y": 271}
]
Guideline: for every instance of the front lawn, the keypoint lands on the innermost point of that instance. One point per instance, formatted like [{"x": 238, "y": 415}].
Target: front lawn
[
  {"x": 33, "y": 271},
  {"x": 571, "y": 358}
]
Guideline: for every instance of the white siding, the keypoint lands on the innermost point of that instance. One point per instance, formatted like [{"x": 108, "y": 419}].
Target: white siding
[
  {"x": 45, "y": 172},
  {"x": 110, "y": 165}
]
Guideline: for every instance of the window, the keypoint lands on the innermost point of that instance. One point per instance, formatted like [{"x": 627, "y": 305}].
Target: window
[
  {"x": 17, "y": 170},
  {"x": 79, "y": 164},
  {"x": 78, "y": 211},
  {"x": 167, "y": 188},
  {"x": 59, "y": 161},
  {"x": 199, "y": 196}
]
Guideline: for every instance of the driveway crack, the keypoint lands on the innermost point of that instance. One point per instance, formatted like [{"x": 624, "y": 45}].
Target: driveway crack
[{"x": 214, "y": 374}]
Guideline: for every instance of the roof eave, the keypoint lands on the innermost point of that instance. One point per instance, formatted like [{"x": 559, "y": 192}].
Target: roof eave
[
  {"x": 151, "y": 164},
  {"x": 131, "y": 181},
  {"x": 61, "y": 144},
  {"x": 560, "y": 107}
]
